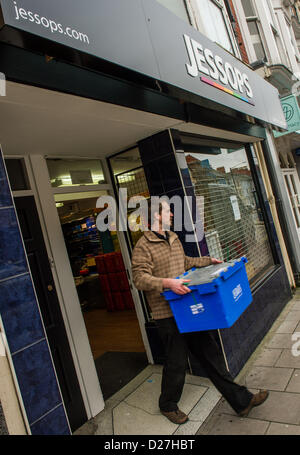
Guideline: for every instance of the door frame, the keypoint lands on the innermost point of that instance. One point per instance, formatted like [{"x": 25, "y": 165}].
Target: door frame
[
  {"x": 127, "y": 262},
  {"x": 64, "y": 281},
  {"x": 288, "y": 172}
]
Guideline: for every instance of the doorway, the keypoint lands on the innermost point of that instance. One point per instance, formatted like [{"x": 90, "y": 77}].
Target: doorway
[{"x": 100, "y": 276}]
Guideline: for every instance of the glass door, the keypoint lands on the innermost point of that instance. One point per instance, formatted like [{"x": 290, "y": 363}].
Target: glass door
[
  {"x": 99, "y": 271},
  {"x": 128, "y": 174}
]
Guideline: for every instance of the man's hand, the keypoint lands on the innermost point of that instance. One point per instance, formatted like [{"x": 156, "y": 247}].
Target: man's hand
[
  {"x": 176, "y": 285},
  {"x": 215, "y": 261}
]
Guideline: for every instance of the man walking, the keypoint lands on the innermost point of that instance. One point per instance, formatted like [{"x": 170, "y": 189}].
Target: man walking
[{"x": 157, "y": 258}]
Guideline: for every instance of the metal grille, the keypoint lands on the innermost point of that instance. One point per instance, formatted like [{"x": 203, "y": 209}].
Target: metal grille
[
  {"x": 135, "y": 183},
  {"x": 228, "y": 206}
]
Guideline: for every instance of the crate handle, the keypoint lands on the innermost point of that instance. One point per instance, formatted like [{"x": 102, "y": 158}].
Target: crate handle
[
  {"x": 206, "y": 291},
  {"x": 232, "y": 269}
]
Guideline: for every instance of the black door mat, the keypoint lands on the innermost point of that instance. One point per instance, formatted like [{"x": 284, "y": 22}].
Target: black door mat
[{"x": 116, "y": 369}]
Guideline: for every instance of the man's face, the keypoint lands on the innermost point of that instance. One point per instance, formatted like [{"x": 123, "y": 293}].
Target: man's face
[{"x": 166, "y": 217}]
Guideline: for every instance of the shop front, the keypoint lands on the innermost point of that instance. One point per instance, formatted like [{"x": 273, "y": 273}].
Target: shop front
[{"x": 93, "y": 108}]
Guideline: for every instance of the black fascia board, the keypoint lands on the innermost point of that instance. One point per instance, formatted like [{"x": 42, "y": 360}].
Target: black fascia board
[{"x": 71, "y": 73}]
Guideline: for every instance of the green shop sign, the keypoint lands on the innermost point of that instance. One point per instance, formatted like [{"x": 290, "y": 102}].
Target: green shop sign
[{"x": 291, "y": 112}]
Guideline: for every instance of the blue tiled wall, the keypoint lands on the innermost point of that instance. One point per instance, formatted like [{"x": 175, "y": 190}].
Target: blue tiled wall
[{"x": 23, "y": 327}]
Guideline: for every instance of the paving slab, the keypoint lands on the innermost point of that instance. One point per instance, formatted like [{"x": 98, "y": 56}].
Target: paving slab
[
  {"x": 293, "y": 316},
  {"x": 225, "y": 408},
  {"x": 204, "y": 407},
  {"x": 294, "y": 384},
  {"x": 295, "y": 306},
  {"x": 280, "y": 407},
  {"x": 223, "y": 424},
  {"x": 188, "y": 429},
  {"x": 287, "y": 359},
  {"x": 268, "y": 357},
  {"x": 147, "y": 394},
  {"x": 287, "y": 326},
  {"x": 283, "y": 429},
  {"x": 268, "y": 378},
  {"x": 280, "y": 341},
  {"x": 129, "y": 420}
]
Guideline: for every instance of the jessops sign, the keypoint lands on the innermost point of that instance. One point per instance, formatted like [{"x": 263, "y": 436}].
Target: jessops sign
[
  {"x": 147, "y": 38},
  {"x": 204, "y": 61}
]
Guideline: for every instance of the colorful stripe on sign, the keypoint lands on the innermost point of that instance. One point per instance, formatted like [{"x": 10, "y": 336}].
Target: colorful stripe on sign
[{"x": 224, "y": 89}]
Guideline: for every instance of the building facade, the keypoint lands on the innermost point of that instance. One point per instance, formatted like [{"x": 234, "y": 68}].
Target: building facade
[
  {"x": 271, "y": 33},
  {"x": 155, "y": 100}
]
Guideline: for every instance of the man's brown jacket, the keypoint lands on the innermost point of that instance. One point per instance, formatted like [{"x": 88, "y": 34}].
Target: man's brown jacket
[{"x": 154, "y": 259}]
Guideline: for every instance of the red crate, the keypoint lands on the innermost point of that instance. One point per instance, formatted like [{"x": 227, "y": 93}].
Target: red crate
[
  {"x": 118, "y": 300},
  {"x": 118, "y": 281},
  {"x": 113, "y": 280},
  {"x": 123, "y": 281},
  {"x": 104, "y": 283},
  {"x": 119, "y": 264},
  {"x": 100, "y": 263},
  {"x": 114, "y": 262},
  {"x": 109, "y": 262},
  {"x": 128, "y": 300}
]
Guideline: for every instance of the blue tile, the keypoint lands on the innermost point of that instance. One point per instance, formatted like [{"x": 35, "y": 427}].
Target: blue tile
[
  {"x": 153, "y": 178},
  {"x": 12, "y": 258},
  {"x": 37, "y": 380},
  {"x": 19, "y": 312},
  {"x": 169, "y": 173},
  {"x": 5, "y": 195},
  {"x": 54, "y": 423}
]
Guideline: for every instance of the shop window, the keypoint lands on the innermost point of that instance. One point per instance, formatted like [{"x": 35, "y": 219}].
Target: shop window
[
  {"x": 213, "y": 18},
  {"x": 74, "y": 172},
  {"x": 129, "y": 174},
  {"x": 17, "y": 174},
  {"x": 229, "y": 208},
  {"x": 177, "y": 7}
]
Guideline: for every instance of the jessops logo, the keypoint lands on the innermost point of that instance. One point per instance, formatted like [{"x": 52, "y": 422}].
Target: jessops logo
[
  {"x": 21, "y": 14},
  {"x": 204, "y": 61}
]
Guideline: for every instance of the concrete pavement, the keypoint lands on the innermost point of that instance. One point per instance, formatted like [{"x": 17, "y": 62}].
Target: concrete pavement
[{"x": 134, "y": 409}]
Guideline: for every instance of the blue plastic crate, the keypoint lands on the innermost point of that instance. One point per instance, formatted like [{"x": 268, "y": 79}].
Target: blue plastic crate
[{"x": 220, "y": 294}]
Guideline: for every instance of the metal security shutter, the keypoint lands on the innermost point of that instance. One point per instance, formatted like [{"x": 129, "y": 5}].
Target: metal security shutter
[{"x": 228, "y": 206}]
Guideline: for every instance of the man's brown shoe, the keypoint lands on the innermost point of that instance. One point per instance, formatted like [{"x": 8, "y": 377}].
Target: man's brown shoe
[
  {"x": 177, "y": 417},
  {"x": 256, "y": 400}
]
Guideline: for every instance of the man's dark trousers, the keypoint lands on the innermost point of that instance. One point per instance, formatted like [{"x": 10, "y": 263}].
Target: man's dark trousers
[{"x": 207, "y": 351}]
